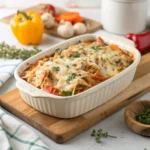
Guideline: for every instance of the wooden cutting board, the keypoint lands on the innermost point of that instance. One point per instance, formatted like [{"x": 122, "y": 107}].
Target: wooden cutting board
[
  {"x": 91, "y": 25},
  {"x": 61, "y": 130}
]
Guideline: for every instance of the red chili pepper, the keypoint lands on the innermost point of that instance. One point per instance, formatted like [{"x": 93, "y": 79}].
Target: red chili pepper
[
  {"x": 48, "y": 8},
  {"x": 142, "y": 40}
]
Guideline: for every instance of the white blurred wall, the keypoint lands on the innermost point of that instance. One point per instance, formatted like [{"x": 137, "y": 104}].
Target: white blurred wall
[{"x": 85, "y": 3}]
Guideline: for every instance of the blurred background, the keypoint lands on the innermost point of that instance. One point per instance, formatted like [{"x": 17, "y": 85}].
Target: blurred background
[
  {"x": 87, "y": 5},
  {"x": 65, "y": 3}
]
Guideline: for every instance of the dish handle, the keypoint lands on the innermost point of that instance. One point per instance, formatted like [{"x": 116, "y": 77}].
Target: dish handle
[{"x": 28, "y": 89}]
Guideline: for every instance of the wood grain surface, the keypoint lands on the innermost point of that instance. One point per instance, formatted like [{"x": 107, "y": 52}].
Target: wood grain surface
[
  {"x": 131, "y": 112},
  {"x": 91, "y": 25},
  {"x": 61, "y": 130}
]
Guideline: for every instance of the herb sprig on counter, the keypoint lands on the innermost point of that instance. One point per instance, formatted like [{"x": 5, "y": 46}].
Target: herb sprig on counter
[
  {"x": 144, "y": 117},
  {"x": 11, "y": 52},
  {"x": 99, "y": 134}
]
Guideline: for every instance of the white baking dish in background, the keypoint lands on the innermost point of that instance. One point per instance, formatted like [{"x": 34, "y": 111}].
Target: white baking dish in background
[{"x": 72, "y": 106}]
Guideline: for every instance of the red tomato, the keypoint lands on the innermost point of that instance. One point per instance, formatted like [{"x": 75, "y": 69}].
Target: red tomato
[
  {"x": 48, "y": 8},
  {"x": 98, "y": 77},
  {"x": 51, "y": 89},
  {"x": 43, "y": 11}
]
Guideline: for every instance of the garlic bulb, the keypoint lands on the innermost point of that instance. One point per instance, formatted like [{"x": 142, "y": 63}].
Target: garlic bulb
[
  {"x": 65, "y": 29},
  {"x": 48, "y": 20},
  {"x": 79, "y": 28}
]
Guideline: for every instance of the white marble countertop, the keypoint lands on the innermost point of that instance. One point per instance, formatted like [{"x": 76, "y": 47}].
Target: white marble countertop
[{"x": 126, "y": 139}]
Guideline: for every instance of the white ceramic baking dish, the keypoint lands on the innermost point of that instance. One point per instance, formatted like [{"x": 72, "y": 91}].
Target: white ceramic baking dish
[{"x": 72, "y": 106}]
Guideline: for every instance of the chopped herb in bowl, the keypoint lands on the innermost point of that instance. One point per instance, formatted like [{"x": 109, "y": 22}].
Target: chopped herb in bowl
[{"x": 144, "y": 117}]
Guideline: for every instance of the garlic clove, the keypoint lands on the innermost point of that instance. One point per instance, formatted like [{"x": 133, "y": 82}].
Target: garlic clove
[
  {"x": 79, "y": 28},
  {"x": 48, "y": 20},
  {"x": 65, "y": 30}
]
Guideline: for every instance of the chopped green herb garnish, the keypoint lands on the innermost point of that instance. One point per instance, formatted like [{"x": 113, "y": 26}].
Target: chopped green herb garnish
[
  {"x": 70, "y": 55},
  {"x": 66, "y": 93},
  {"x": 95, "y": 47},
  {"x": 11, "y": 52},
  {"x": 99, "y": 134},
  {"x": 75, "y": 55},
  {"x": 55, "y": 69},
  {"x": 71, "y": 77},
  {"x": 144, "y": 117},
  {"x": 61, "y": 56},
  {"x": 67, "y": 66},
  {"x": 57, "y": 49}
]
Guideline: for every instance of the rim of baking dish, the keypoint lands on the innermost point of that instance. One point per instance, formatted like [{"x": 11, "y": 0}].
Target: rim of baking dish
[{"x": 36, "y": 92}]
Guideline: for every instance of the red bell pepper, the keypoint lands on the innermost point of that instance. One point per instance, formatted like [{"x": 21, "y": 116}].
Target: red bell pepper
[
  {"x": 142, "y": 41},
  {"x": 98, "y": 77},
  {"x": 51, "y": 89}
]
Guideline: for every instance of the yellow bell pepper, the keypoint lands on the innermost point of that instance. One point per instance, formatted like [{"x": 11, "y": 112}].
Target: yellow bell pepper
[{"x": 27, "y": 27}]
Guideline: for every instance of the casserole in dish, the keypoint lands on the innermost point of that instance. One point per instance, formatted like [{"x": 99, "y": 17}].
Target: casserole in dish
[{"x": 72, "y": 106}]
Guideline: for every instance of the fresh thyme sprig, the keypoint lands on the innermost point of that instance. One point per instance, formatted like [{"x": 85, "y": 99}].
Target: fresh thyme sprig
[
  {"x": 11, "y": 52},
  {"x": 99, "y": 134}
]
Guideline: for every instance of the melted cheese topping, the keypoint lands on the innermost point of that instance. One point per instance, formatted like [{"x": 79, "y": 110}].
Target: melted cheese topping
[{"x": 78, "y": 68}]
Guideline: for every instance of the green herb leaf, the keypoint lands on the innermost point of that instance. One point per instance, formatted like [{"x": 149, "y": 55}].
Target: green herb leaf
[
  {"x": 66, "y": 93},
  {"x": 75, "y": 55},
  {"x": 55, "y": 69},
  {"x": 93, "y": 133},
  {"x": 57, "y": 49},
  {"x": 99, "y": 134},
  {"x": 144, "y": 117},
  {"x": 68, "y": 66},
  {"x": 95, "y": 47},
  {"x": 98, "y": 139},
  {"x": 71, "y": 77}
]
